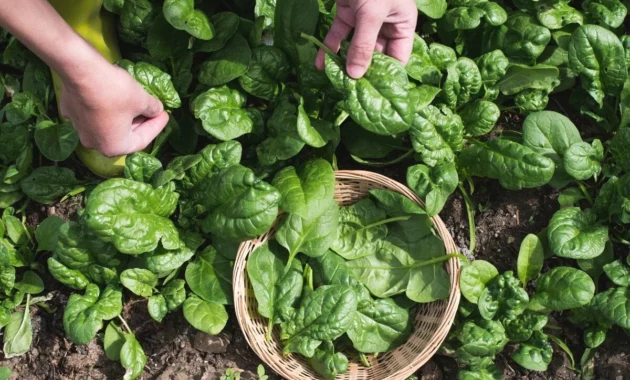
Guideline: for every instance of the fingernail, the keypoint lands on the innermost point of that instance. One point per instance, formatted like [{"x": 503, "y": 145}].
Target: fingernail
[{"x": 355, "y": 71}]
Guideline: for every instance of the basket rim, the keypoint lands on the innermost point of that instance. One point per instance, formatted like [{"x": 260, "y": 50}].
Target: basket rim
[{"x": 453, "y": 267}]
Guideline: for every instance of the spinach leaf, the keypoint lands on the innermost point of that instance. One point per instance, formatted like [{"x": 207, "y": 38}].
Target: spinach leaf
[
  {"x": 225, "y": 26},
  {"x": 47, "y": 183},
  {"x": 328, "y": 363},
  {"x": 597, "y": 56},
  {"x": 133, "y": 216},
  {"x": 582, "y": 161},
  {"x": 433, "y": 185},
  {"x": 530, "y": 258},
  {"x": 174, "y": 293},
  {"x": 291, "y": 18},
  {"x": 534, "y": 354},
  {"x": 113, "y": 341},
  {"x": 132, "y": 357},
  {"x": 437, "y": 134},
  {"x": 480, "y": 117},
  {"x": 480, "y": 340},
  {"x": 209, "y": 276},
  {"x": 154, "y": 81},
  {"x": 84, "y": 314},
  {"x": 268, "y": 69},
  {"x": 516, "y": 166},
  {"x": 617, "y": 272},
  {"x": 140, "y": 281},
  {"x": 434, "y": 9},
  {"x": 379, "y": 326},
  {"x": 576, "y": 234},
  {"x": 361, "y": 228},
  {"x": 241, "y": 206},
  {"x": 157, "y": 307},
  {"x": 463, "y": 81},
  {"x": 183, "y": 16},
  {"x": 69, "y": 277},
  {"x": 503, "y": 298},
  {"x": 395, "y": 204},
  {"x": 56, "y": 141},
  {"x": 226, "y": 64},
  {"x": 141, "y": 167},
  {"x": 563, "y": 288},
  {"x": 324, "y": 315},
  {"x": 386, "y": 84},
  {"x": 205, "y": 316},
  {"x": 474, "y": 278},
  {"x": 307, "y": 190},
  {"x": 47, "y": 233},
  {"x": 277, "y": 291}
]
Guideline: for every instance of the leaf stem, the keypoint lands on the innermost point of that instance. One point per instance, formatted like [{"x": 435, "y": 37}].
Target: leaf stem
[
  {"x": 584, "y": 191},
  {"x": 269, "y": 329},
  {"x": 320, "y": 45},
  {"x": 386, "y": 221},
  {"x": 125, "y": 324},
  {"x": 470, "y": 211},
  {"x": 564, "y": 347},
  {"x": 396, "y": 160}
]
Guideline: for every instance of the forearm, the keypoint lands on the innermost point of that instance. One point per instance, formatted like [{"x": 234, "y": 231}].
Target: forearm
[{"x": 40, "y": 28}]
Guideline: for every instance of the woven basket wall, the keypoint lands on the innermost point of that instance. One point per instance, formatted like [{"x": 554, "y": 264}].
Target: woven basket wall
[{"x": 432, "y": 321}]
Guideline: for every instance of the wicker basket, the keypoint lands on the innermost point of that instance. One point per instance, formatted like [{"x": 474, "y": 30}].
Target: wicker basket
[{"x": 432, "y": 322}]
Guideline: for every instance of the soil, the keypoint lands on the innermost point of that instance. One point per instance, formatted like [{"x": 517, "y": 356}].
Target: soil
[{"x": 177, "y": 351}]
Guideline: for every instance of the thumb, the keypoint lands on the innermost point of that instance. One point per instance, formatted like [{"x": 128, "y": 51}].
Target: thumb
[
  {"x": 151, "y": 107},
  {"x": 143, "y": 134}
]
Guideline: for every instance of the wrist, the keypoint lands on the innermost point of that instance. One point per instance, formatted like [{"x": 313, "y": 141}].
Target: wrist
[{"x": 80, "y": 63}]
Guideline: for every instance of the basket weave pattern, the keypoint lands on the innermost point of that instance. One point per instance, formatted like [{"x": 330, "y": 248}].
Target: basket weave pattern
[{"x": 432, "y": 321}]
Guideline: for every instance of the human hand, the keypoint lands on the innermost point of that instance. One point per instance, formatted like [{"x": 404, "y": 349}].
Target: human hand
[
  {"x": 384, "y": 25},
  {"x": 110, "y": 111}
]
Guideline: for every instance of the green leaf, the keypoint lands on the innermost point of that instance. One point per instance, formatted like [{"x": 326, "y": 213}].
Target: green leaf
[
  {"x": 535, "y": 354},
  {"x": 242, "y": 206},
  {"x": 437, "y": 134},
  {"x": 209, "y": 276},
  {"x": 576, "y": 234},
  {"x": 48, "y": 183},
  {"x": 618, "y": 273},
  {"x": 84, "y": 314},
  {"x": 154, "y": 81},
  {"x": 614, "y": 305},
  {"x": 463, "y": 81},
  {"x": 113, "y": 341},
  {"x": 398, "y": 266},
  {"x": 551, "y": 134},
  {"x": 7, "y": 278},
  {"x": 379, "y": 326},
  {"x": 164, "y": 41},
  {"x": 136, "y": 18},
  {"x": 595, "y": 267},
  {"x": 563, "y": 288},
  {"x": 175, "y": 170},
  {"x": 362, "y": 143},
  {"x": 183, "y": 16},
  {"x": 275, "y": 289},
  {"x": 141, "y": 167},
  {"x": 69, "y": 277},
  {"x": 608, "y": 13},
  {"x": 433, "y": 185},
  {"x": 47, "y": 232},
  {"x": 385, "y": 84},
  {"x": 559, "y": 15},
  {"x": 531, "y": 257},
  {"x": 225, "y": 25},
  {"x": 361, "y": 228},
  {"x": 133, "y": 216},
  {"x": 226, "y": 64},
  {"x": 434, "y": 9},
  {"x": 31, "y": 283},
  {"x": 291, "y": 18},
  {"x": 157, "y": 307},
  {"x": 582, "y": 161},
  {"x": 324, "y": 315},
  {"x": 208, "y": 317},
  {"x": 525, "y": 39},
  {"x": 570, "y": 196},
  {"x": 503, "y": 298},
  {"x": 479, "y": 340},
  {"x": 174, "y": 293},
  {"x": 480, "y": 117},
  {"x": 469, "y": 15},
  {"x": 597, "y": 56},
  {"x": 515, "y": 166},
  {"x": 268, "y": 69},
  {"x": 474, "y": 278},
  {"x": 421, "y": 66},
  {"x": 311, "y": 237},
  {"x": 5, "y": 373},
  {"x": 132, "y": 357},
  {"x": 56, "y": 141},
  {"x": 18, "y": 334},
  {"x": 521, "y": 77},
  {"x": 328, "y": 363},
  {"x": 522, "y": 328},
  {"x": 395, "y": 204},
  {"x": 140, "y": 281},
  {"x": 307, "y": 190}
]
